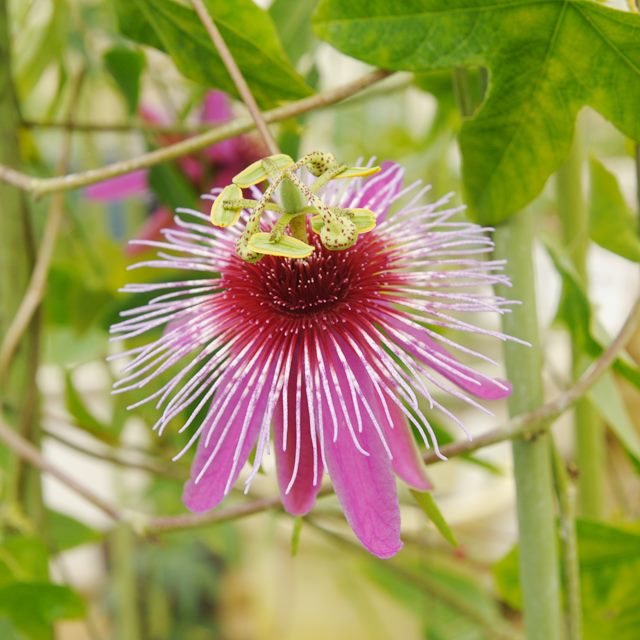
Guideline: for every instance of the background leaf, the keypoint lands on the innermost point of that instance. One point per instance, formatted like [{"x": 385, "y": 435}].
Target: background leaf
[
  {"x": 293, "y": 22},
  {"x": 430, "y": 509},
  {"x": 609, "y": 565},
  {"x": 33, "y": 606},
  {"x": 171, "y": 187},
  {"x": 607, "y": 399},
  {"x": 65, "y": 532},
  {"x": 247, "y": 30},
  {"x": 126, "y": 66},
  {"x": 612, "y": 224}
]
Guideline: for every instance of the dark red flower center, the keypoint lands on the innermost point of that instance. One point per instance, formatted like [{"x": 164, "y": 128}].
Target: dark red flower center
[{"x": 323, "y": 285}]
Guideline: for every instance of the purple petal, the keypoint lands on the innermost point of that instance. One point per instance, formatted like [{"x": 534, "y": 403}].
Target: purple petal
[
  {"x": 380, "y": 190},
  {"x": 302, "y": 495},
  {"x": 363, "y": 483},
  {"x": 130, "y": 184},
  {"x": 232, "y": 422}
]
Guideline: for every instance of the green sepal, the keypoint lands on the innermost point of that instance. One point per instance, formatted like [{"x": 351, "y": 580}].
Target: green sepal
[
  {"x": 285, "y": 247},
  {"x": 257, "y": 172},
  {"x": 358, "y": 172},
  {"x": 222, "y": 216},
  {"x": 363, "y": 219}
]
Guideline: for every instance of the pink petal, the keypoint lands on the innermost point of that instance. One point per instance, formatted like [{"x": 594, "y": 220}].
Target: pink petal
[
  {"x": 192, "y": 168},
  {"x": 209, "y": 491},
  {"x": 130, "y": 184},
  {"x": 363, "y": 483},
  {"x": 216, "y": 108},
  {"x": 380, "y": 190},
  {"x": 302, "y": 495},
  {"x": 406, "y": 461},
  {"x": 159, "y": 219},
  {"x": 152, "y": 116},
  {"x": 474, "y": 383}
]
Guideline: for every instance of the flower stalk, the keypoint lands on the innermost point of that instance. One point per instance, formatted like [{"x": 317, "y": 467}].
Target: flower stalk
[
  {"x": 531, "y": 455},
  {"x": 590, "y": 443}
]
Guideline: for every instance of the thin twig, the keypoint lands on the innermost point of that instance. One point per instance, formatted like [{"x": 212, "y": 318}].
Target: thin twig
[
  {"x": 42, "y": 186},
  {"x": 32, "y": 455},
  {"x": 169, "y": 471},
  {"x": 236, "y": 75},
  {"x": 176, "y": 128},
  {"x": 37, "y": 284}
]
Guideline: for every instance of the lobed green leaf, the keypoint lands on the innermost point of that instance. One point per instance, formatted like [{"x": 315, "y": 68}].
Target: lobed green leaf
[{"x": 546, "y": 60}]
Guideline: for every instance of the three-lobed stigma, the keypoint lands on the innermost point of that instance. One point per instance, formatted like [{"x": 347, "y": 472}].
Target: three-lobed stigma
[{"x": 337, "y": 228}]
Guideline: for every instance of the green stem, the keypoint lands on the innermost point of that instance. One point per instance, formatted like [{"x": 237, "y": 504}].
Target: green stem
[
  {"x": 590, "y": 442},
  {"x": 531, "y": 456},
  {"x": 127, "y": 619},
  {"x": 18, "y": 397},
  {"x": 569, "y": 540}
]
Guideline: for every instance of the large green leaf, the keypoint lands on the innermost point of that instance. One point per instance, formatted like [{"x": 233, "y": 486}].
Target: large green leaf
[
  {"x": 546, "y": 58},
  {"x": 248, "y": 31},
  {"x": 609, "y": 566},
  {"x": 612, "y": 224}
]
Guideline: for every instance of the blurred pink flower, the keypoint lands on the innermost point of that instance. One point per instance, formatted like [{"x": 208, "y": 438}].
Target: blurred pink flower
[
  {"x": 212, "y": 167},
  {"x": 329, "y": 354}
]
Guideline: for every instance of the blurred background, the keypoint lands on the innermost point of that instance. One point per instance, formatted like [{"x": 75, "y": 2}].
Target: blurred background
[{"x": 267, "y": 575}]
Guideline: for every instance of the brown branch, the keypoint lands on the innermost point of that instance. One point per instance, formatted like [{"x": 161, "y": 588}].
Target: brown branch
[
  {"x": 42, "y": 186},
  {"x": 236, "y": 75}
]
